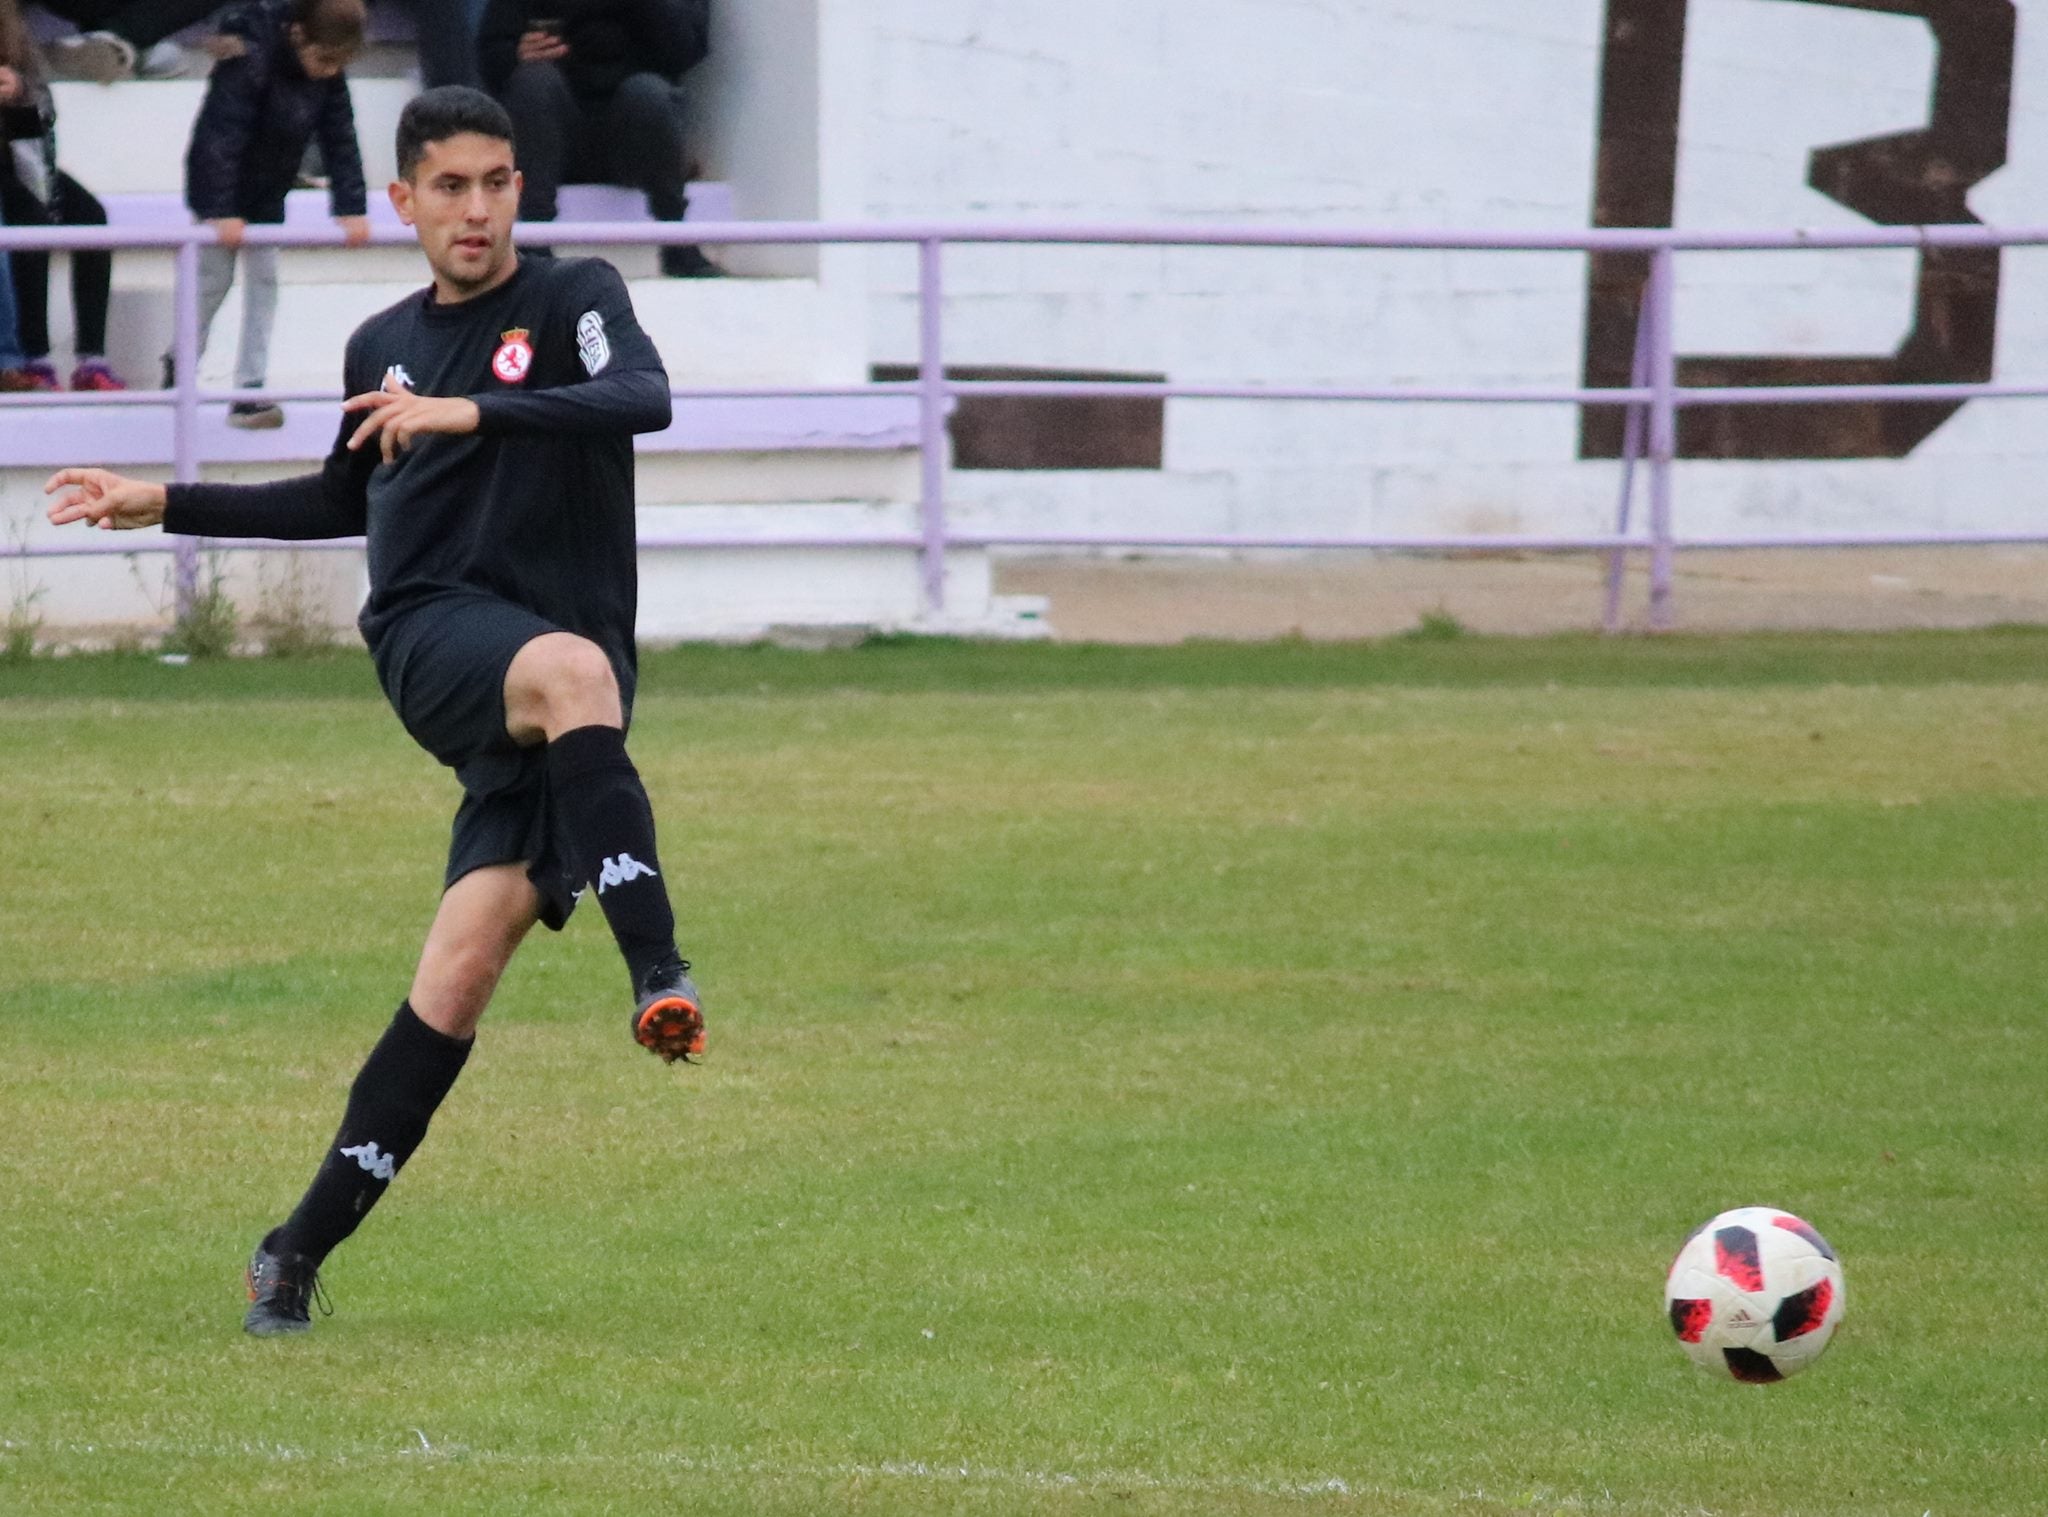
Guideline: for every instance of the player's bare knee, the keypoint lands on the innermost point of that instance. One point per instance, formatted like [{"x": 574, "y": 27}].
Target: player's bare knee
[
  {"x": 478, "y": 965},
  {"x": 580, "y": 687},
  {"x": 459, "y": 984},
  {"x": 582, "y": 669},
  {"x": 558, "y": 682}
]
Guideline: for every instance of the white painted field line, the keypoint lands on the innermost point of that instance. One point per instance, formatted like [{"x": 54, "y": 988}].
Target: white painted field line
[
  {"x": 913, "y": 1471},
  {"x": 891, "y": 1469}
]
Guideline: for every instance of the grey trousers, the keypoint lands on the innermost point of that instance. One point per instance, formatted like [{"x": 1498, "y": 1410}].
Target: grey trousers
[{"x": 259, "y": 305}]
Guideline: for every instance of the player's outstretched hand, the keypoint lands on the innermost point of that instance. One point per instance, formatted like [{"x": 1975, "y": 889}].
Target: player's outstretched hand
[
  {"x": 106, "y": 499},
  {"x": 397, "y": 416}
]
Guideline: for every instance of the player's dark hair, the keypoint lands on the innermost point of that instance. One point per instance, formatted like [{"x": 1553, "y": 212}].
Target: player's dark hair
[
  {"x": 336, "y": 24},
  {"x": 446, "y": 112}
]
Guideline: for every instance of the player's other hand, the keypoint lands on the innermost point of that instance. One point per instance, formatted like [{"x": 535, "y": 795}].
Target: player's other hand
[
  {"x": 10, "y": 85},
  {"x": 397, "y": 416},
  {"x": 106, "y": 499},
  {"x": 229, "y": 229},
  {"x": 355, "y": 230}
]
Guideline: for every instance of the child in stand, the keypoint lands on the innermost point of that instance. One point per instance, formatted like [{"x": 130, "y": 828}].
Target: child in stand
[
  {"x": 14, "y": 375},
  {"x": 283, "y": 89},
  {"x": 35, "y": 192}
]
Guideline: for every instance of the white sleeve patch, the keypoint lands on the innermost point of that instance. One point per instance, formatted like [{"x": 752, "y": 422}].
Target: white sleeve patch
[{"x": 592, "y": 346}]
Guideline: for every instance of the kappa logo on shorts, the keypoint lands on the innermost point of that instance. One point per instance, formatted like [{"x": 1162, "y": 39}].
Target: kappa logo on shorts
[
  {"x": 514, "y": 356},
  {"x": 592, "y": 346},
  {"x": 383, "y": 1166},
  {"x": 622, "y": 870}
]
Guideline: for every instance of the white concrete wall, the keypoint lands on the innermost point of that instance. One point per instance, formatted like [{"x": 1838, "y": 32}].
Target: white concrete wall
[
  {"x": 753, "y": 109},
  {"x": 1416, "y": 113},
  {"x": 779, "y": 112}
]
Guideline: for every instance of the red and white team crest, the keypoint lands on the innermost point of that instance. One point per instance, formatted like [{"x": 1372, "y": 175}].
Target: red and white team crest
[{"x": 514, "y": 356}]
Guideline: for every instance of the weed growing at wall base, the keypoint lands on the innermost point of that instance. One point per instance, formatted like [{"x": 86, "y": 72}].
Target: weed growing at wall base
[
  {"x": 1438, "y": 626},
  {"x": 1216, "y": 1080},
  {"x": 25, "y": 595},
  {"x": 24, "y": 628},
  {"x": 207, "y": 621},
  {"x": 289, "y": 619}
]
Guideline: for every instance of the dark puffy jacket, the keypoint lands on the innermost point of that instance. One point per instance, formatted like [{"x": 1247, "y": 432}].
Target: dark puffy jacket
[
  {"x": 608, "y": 40},
  {"x": 260, "y": 112}
]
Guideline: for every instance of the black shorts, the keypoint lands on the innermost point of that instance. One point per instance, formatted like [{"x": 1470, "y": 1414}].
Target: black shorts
[{"x": 442, "y": 666}]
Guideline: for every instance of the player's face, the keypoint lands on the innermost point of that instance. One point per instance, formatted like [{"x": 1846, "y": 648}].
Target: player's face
[{"x": 462, "y": 199}]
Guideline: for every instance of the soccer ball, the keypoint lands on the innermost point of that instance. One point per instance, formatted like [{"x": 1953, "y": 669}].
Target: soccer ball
[{"x": 1754, "y": 1294}]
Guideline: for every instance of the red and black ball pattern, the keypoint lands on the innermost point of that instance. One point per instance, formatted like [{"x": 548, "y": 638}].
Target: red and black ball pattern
[{"x": 1737, "y": 1259}]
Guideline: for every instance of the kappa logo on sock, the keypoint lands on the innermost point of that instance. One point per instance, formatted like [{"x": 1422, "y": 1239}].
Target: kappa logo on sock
[
  {"x": 622, "y": 870},
  {"x": 383, "y": 1166}
]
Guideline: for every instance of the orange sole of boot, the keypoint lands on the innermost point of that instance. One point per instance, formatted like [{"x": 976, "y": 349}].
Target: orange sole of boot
[{"x": 673, "y": 1028}]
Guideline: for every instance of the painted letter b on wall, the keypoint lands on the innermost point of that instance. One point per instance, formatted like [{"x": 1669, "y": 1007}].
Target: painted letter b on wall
[{"x": 1918, "y": 177}]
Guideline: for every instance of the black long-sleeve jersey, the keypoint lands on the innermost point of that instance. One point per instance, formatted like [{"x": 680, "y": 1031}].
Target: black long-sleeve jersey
[{"x": 535, "y": 506}]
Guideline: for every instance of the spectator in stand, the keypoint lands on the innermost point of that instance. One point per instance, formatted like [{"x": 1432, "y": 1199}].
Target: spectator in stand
[
  {"x": 444, "y": 36},
  {"x": 13, "y": 362},
  {"x": 34, "y": 191},
  {"x": 285, "y": 88},
  {"x": 14, "y": 376},
  {"x": 588, "y": 84},
  {"x": 445, "y": 32},
  {"x": 119, "y": 39}
]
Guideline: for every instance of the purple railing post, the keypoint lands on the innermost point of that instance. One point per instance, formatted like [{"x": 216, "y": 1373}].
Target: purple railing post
[
  {"x": 185, "y": 413},
  {"x": 1658, "y": 303},
  {"x": 931, "y": 422},
  {"x": 1631, "y": 450}
]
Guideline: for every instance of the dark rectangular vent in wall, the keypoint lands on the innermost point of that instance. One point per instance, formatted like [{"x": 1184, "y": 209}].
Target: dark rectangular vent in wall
[{"x": 1015, "y": 432}]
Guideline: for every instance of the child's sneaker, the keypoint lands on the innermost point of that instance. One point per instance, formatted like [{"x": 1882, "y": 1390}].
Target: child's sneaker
[
  {"x": 93, "y": 374},
  {"x": 164, "y": 61},
  {"x": 255, "y": 415},
  {"x": 99, "y": 56}
]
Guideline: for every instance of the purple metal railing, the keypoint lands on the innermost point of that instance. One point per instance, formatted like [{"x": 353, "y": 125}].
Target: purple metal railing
[{"x": 1653, "y": 397}]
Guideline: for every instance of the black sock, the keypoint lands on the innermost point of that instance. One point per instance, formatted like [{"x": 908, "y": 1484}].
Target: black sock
[
  {"x": 406, "y": 1077},
  {"x": 609, "y": 827}
]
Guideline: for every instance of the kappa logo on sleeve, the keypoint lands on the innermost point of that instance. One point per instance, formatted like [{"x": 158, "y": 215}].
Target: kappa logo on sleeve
[
  {"x": 397, "y": 372},
  {"x": 592, "y": 346},
  {"x": 380, "y": 1166},
  {"x": 514, "y": 356}
]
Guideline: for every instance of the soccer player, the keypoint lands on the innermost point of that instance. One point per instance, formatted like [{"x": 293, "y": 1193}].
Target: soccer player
[{"x": 486, "y": 453}]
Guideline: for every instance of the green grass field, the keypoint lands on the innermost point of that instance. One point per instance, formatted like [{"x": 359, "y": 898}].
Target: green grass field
[{"x": 1231, "y": 1080}]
